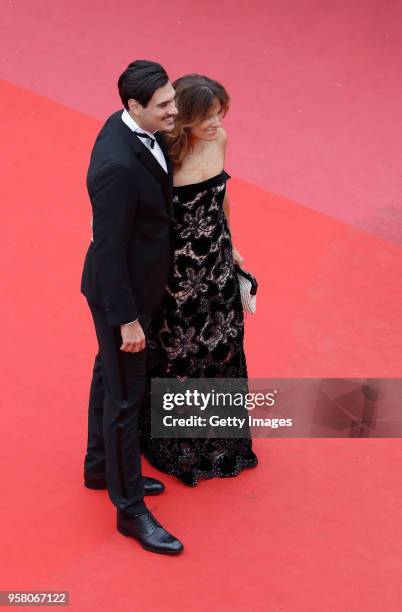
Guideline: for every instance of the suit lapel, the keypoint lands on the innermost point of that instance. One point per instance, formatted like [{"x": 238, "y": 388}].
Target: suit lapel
[
  {"x": 169, "y": 175},
  {"x": 151, "y": 164},
  {"x": 170, "y": 184},
  {"x": 149, "y": 161}
]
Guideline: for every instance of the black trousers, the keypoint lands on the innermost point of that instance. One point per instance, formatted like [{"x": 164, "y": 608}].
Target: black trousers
[{"x": 116, "y": 393}]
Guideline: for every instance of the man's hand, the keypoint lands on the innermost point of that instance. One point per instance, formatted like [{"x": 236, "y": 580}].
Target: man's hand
[
  {"x": 133, "y": 338},
  {"x": 237, "y": 258}
]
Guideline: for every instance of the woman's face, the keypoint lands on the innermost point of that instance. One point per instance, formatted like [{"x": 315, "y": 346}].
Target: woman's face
[{"x": 207, "y": 129}]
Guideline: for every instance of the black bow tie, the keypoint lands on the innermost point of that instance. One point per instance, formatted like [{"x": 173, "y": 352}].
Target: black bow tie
[{"x": 143, "y": 135}]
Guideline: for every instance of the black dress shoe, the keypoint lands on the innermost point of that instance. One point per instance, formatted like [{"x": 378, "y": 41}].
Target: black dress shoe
[
  {"x": 149, "y": 533},
  {"x": 153, "y": 486},
  {"x": 98, "y": 481}
]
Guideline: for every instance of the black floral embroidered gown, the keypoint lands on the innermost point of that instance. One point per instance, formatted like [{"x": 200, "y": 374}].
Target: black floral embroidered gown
[{"x": 199, "y": 330}]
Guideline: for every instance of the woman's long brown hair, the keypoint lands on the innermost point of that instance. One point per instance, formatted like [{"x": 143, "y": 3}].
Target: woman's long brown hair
[{"x": 195, "y": 95}]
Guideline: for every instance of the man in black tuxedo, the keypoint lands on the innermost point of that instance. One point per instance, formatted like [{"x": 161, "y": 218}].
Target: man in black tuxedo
[{"x": 125, "y": 272}]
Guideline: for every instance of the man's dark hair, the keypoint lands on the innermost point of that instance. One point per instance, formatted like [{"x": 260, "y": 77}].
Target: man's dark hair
[{"x": 140, "y": 80}]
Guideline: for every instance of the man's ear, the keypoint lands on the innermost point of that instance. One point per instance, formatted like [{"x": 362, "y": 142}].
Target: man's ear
[{"x": 134, "y": 107}]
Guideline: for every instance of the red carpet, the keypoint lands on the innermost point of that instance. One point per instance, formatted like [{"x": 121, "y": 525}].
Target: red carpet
[
  {"x": 315, "y": 87},
  {"x": 315, "y": 527}
]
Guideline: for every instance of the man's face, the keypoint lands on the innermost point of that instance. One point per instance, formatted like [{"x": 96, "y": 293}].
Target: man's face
[{"x": 159, "y": 113}]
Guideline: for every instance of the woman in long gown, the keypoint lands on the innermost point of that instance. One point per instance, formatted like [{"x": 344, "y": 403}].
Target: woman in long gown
[{"x": 199, "y": 331}]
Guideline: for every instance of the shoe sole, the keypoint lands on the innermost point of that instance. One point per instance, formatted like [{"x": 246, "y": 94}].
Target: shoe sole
[
  {"x": 149, "y": 548},
  {"x": 151, "y": 493},
  {"x": 96, "y": 487}
]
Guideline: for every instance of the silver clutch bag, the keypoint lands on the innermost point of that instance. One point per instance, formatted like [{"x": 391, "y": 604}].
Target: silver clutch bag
[{"x": 248, "y": 289}]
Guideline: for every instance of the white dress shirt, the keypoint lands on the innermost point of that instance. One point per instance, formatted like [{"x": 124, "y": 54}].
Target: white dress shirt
[{"x": 156, "y": 150}]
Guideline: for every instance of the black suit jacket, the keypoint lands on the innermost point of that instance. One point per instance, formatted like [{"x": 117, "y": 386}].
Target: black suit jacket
[{"x": 127, "y": 263}]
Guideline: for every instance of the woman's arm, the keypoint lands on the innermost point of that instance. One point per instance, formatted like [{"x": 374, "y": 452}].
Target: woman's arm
[
  {"x": 237, "y": 258},
  {"x": 226, "y": 209}
]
